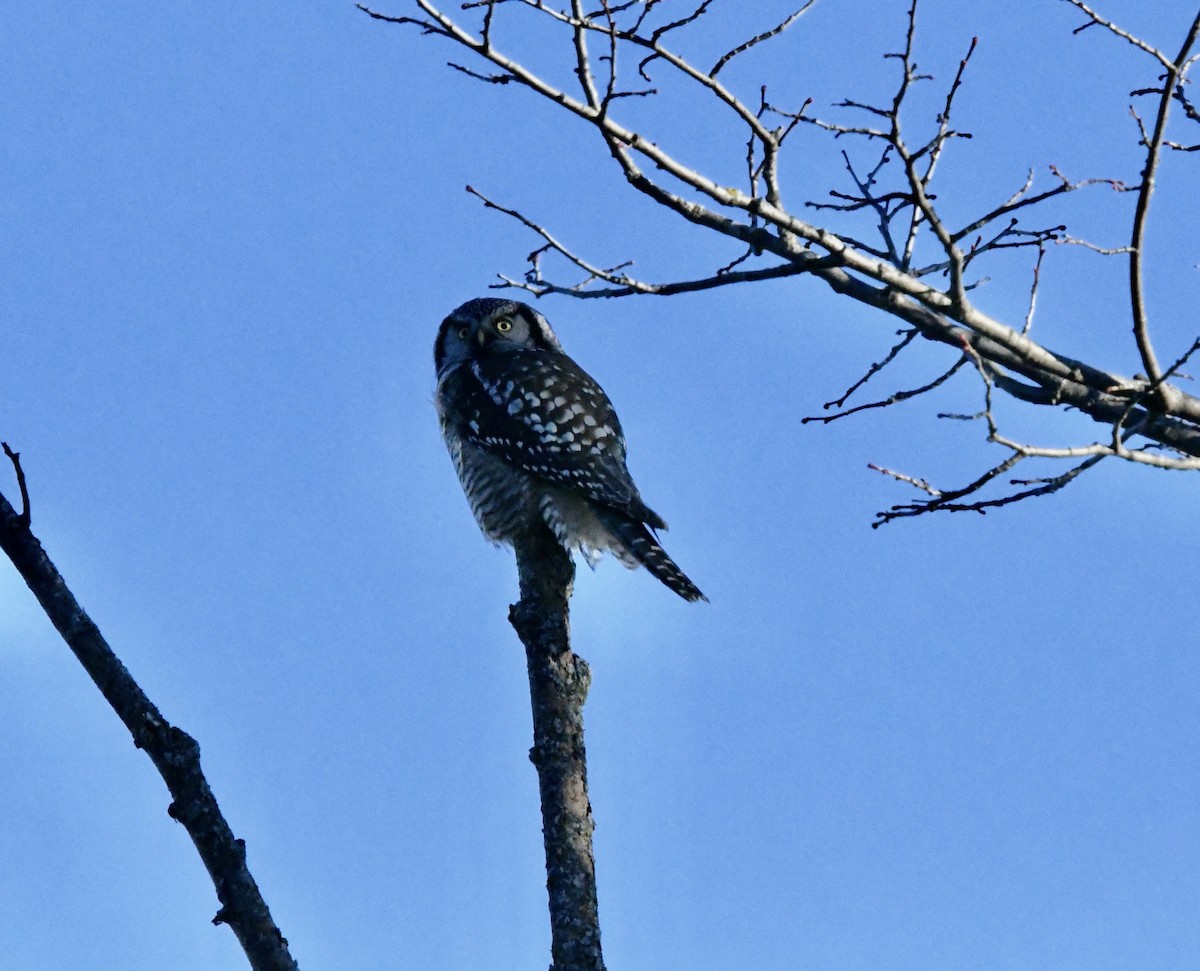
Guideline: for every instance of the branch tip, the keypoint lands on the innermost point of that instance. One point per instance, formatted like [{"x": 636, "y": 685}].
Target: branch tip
[{"x": 24, "y": 516}]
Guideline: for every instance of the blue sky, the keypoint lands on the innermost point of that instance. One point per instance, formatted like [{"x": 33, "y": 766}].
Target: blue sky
[{"x": 229, "y": 234}]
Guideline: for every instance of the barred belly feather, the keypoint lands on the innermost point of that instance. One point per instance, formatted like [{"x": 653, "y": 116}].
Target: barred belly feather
[{"x": 499, "y": 495}]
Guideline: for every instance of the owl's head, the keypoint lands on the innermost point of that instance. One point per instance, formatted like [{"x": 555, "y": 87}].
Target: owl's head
[{"x": 487, "y": 326}]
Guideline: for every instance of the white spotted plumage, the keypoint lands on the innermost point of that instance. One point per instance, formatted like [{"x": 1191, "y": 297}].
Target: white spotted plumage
[{"x": 536, "y": 442}]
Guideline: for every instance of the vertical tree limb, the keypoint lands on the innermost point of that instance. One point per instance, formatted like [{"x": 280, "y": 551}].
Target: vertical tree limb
[
  {"x": 1137, "y": 244},
  {"x": 174, "y": 753},
  {"x": 558, "y": 686}
]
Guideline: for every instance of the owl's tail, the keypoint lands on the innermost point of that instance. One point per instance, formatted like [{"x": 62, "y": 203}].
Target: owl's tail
[{"x": 642, "y": 544}]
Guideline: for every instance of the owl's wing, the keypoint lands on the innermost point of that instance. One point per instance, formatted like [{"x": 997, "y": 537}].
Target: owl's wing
[{"x": 544, "y": 414}]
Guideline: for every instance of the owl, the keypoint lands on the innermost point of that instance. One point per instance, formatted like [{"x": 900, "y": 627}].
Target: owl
[{"x": 536, "y": 442}]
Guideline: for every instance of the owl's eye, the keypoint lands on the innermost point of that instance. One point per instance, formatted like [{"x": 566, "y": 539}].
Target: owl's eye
[
  {"x": 504, "y": 325},
  {"x": 463, "y": 332}
]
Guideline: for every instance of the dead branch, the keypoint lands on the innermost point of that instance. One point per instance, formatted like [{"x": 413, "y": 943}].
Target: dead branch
[
  {"x": 175, "y": 754},
  {"x": 1153, "y": 144},
  {"x": 932, "y": 297},
  {"x": 558, "y": 687}
]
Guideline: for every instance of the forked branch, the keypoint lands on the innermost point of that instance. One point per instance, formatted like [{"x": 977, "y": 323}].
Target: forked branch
[{"x": 933, "y": 294}]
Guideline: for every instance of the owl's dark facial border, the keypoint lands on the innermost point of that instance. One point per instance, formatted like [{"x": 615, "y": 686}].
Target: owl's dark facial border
[{"x": 439, "y": 345}]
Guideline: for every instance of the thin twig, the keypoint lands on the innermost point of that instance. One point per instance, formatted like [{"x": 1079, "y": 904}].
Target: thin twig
[
  {"x": 1141, "y": 329},
  {"x": 1095, "y": 18},
  {"x": 893, "y": 399},
  {"x": 759, "y": 38},
  {"x": 25, "y": 516},
  {"x": 906, "y": 338},
  {"x": 946, "y": 501},
  {"x": 1033, "y": 290}
]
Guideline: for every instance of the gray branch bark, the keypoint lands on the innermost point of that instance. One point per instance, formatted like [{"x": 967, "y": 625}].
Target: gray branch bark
[
  {"x": 174, "y": 753},
  {"x": 558, "y": 687},
  {"x": 895, "y": 273}
]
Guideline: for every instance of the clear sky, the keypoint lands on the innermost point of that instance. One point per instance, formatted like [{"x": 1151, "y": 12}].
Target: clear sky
[{"x": 229, "y": 233}]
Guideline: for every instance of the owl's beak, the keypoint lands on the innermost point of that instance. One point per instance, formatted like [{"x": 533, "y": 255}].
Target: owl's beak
[{"x": 481, "y": 336}]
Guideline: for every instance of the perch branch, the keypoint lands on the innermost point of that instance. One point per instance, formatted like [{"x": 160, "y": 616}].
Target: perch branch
[{"x": 558, "y": 687}]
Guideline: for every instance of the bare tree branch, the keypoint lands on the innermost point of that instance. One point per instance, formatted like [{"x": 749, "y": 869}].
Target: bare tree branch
[
  {"x": 624, "y": 285},
  {"x": 1094, "y": 19},
  {"x": 25, "y": 516},
  {"x": 947, "y": 501},
  {"x": 759, "y": 38},
  {"x": 558, "y": 687},
  {"x": 174, "y": 753},
  {"x": 892, "y": 399},
  {"x": 879, "y": 276},
  {"x": 1153, "y": 145},
  {"x": 1033, "y": 290}
]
